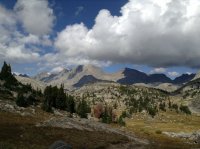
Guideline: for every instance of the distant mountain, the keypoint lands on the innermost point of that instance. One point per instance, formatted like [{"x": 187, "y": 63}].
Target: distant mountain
[
  {"x": 24, "y": 75},
  {"x": 73, "y": 76},
  {"x": 88, "y": 79},
  {"x": 184, "y": 78},
  {"x": 21, "y": 75},
  {"x": 159, "y": 78},
  {"x": 42, "y": 76},
  {"x": 75, "y": 71},
  {"x": 84, "y": 74},
  {"x": 47, "y": 77},
  {"x": 132, "y": 76}
]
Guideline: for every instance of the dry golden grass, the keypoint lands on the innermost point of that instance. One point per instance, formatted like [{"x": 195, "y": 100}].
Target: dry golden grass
[{"x": 152, "y": 129}]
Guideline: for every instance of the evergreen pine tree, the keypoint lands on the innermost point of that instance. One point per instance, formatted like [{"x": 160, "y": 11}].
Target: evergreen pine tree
[
  {"x": 83, "y": 109},
  {"x": 47, "y": 105},
  {"x": 20, "y": 101},
  {"x": 61, "y": 98},
  {"x": 70, "y": 104},
  {"x": 7, "y": 76}
]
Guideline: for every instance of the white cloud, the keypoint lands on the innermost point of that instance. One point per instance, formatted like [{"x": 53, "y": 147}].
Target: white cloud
[
  {"x": 52, "y": 60},
  {"x": 19, "y": 53},
  {"x": 36, "y": 40},
  {"x": 17, "y": 46},
  {"x": 36, "y": 16},
  {"x": 173, "y": 74},
  {"x": 152, "y": 32},
  {"x": 7, "y": 18},
  {"x": 158, "y": 70}
]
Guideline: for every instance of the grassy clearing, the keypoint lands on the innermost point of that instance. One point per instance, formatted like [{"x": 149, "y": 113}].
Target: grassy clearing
[{"x": 152, "y": 129}]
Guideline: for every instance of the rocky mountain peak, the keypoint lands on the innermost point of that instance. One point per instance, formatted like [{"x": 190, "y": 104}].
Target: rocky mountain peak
[{"x": 183, "y": 78}]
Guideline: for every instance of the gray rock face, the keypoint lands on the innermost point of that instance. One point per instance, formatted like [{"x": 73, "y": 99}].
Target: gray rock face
[
  {"x": 36, "y": 84},
  {"x": 195, "y": 136},
  {"x": 89, "y": 125}
]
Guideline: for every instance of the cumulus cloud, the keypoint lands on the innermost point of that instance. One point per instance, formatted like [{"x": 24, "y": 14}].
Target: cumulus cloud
[
  {"x": 20, "y": 54},
  {"x": 36, "y": 16},
  {"x": 158, "y": 70},
  {"x": 17, "y": 46},
  {"x": 51, "y": 60},
  {"x": 151, "y": 32}
]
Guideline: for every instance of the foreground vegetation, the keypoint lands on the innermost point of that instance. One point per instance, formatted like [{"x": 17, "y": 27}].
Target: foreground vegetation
[{"x": 19, "y": 132}]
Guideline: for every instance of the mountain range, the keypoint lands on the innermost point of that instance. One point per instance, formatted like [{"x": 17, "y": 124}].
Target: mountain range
[{"x": 86, "y": 74}]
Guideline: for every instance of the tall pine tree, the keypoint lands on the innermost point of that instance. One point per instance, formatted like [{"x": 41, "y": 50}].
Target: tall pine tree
[{"x": 7, "y": 76}]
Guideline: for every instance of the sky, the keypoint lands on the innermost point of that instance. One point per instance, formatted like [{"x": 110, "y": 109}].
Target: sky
[{"x": 152, "y": 36}]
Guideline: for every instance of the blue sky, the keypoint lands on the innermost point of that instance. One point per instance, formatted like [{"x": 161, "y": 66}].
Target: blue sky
[{"x": 55, "y": 34}]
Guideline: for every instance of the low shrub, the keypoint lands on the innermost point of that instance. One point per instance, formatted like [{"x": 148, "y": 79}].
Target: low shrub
[{"x": 185, "y": 109}]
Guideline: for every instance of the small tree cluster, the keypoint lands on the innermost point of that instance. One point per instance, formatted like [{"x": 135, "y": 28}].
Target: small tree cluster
[
  {"x": 185, "y": 109},
  {"x": 107, "y": 115},
  {"x": 83, "y": 109},
  {"x": 141, "y": 104},
  {"x": 152, "y": 110},
  {"x": 56, "y": 97},
  {"x": 23, "y": 101}
]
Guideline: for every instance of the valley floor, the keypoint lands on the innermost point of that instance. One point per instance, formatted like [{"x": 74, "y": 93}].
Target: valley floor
[
  {"x": 22, "y": 129},
  {"x": 40, "y": 129},
  {"x": 167, "y": 130}
]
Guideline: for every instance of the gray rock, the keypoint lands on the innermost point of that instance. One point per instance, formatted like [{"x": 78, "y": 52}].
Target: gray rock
[
  {"x": 60, "y": 145},
  {"x": 195, "y": 136},
  {"x": 10, "y": 107}
]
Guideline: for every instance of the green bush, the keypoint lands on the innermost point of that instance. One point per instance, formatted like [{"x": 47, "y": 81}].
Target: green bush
[
  {"x": 21, "y": 101},
  {"x": 121, "y": 121},
  {"x": 185, "y": 109},
  {"x": 152, "y": 110},
  {"x": 124, "y": 114},
  {"x": 107, "y": 115},
  {"x": 31, "y": 100}
]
